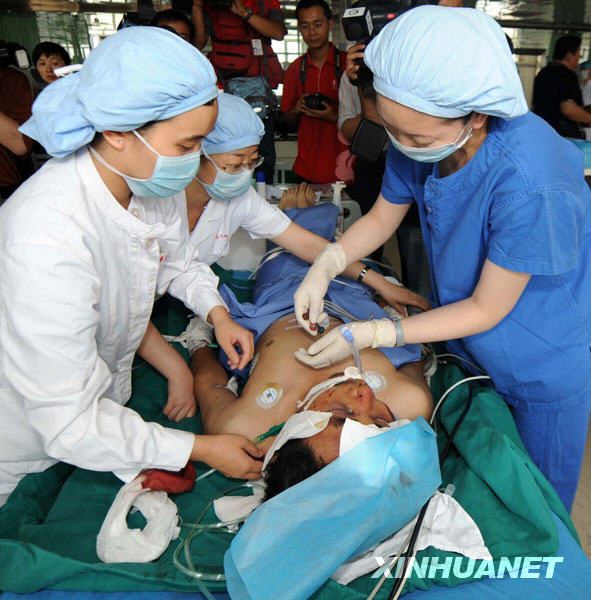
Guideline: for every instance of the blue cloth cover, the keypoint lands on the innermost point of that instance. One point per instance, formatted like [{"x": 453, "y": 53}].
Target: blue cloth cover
[
  {"x": 293, "y": 543},
  {"x": 572, "y": 579},
  {"x": 237, "y": 126},
  {"x": 137, "y": 75},
  {"x": 447, "y": 62},
  {"x": 279, "y": 278}
]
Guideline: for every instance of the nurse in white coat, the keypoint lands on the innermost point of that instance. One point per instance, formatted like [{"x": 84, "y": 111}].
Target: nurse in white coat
[
  {"x": 83, "y": 253},
  {"x": 218, "y": 201}
]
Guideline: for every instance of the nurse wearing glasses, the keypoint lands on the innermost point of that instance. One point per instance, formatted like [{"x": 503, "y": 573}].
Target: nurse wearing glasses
[{"x": 218, "y": 201}]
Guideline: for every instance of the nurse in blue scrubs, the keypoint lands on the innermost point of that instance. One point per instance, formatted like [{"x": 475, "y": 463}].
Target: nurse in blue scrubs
[{"x": 504, "y": 211}]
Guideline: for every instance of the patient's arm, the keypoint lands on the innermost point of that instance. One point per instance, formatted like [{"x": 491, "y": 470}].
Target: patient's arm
[
  {"x": 215, "y": 400},
  {"x": 307, "y": 246},
  {"x": 155, "y": 350}
]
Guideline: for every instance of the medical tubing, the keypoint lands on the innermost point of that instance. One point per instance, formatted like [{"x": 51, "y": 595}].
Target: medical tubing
[
  {"x": 451, "y": 355},
  {"x": 348, "y": 335},
  {"x": 257, "y": 440},
  {"x": 389, "y": 568},
  {"x": 269, "y": 255},
  {"x": 337, "y": 311},
  {"x": 198, "y": 528},
  {"x": 451, "y": 389},
  {"x": 204, "y": 475}
]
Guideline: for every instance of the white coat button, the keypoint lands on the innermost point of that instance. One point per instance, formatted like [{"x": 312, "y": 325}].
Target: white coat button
[
  {"x": 428, "y": 209},
  {"x": 135, "y": 212},
  {"x": 148, "y": 243}
]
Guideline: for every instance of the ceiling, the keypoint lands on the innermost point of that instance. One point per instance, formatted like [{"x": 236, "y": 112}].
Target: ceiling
[{"x": 575, "y": 14}]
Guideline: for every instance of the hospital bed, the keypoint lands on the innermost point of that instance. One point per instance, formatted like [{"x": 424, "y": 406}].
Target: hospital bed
[{"x": 48, "y": 528}]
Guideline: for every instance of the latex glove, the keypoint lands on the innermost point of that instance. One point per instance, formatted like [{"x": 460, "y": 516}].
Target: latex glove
[
  {"x": 233, "y": 455},
  {"x": 181, "y": 398},
  {"x": 333, "y": 347},
  {"x": 308, "y": 299}
]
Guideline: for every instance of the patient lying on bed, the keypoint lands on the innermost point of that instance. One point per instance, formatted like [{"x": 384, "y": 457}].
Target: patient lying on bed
[
  {"x": 279, "y": 380},
  {"x": 278, "y": 383}
]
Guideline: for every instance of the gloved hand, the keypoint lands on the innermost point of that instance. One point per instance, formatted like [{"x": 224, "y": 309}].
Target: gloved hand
[
  {"x": 333, "y": 347},
  {"x": 308, "y": 298}
]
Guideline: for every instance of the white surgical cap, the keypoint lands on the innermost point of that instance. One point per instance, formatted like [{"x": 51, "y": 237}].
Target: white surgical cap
[
  {"x": 237, "y": 126},
  {"x": 447, "y": 62},
  {"x": 138, "y": 75}
]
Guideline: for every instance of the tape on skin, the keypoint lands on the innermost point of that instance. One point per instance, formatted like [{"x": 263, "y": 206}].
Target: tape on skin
[
  {"x": 270, "y": 395},
  {"x": 372, "y": 378}
]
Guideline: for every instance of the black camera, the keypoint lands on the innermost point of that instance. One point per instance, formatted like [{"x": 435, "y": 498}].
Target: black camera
[
  {"x": 365, "y": 19},
  {"x": 316, "y": 101},
  {"x": 143, "y": 16},
  {"x": 13, "y": 55}
]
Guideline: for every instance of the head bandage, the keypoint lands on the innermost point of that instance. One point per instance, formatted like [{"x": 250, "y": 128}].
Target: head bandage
[
  {"x": 117, "y": 89},
  {"x": 349, "y": 374},
  {"x": 304, "y": 424},
  {"x": 447, "y": 62}
]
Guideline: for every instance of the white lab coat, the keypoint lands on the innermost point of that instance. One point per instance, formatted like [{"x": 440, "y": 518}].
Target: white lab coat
[
  {"x": 78, "y": 276},
  {"x": 221, "y": 219}
]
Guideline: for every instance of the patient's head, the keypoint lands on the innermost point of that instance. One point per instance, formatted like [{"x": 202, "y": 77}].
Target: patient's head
[{"x": 299, "y": 459}]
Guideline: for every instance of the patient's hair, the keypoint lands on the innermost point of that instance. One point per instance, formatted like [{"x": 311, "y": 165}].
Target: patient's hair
[{"x": 291, "y": 464}]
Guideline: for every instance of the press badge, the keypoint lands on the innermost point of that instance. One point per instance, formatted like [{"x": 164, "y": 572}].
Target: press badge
[{"x": 257, "y": 47}]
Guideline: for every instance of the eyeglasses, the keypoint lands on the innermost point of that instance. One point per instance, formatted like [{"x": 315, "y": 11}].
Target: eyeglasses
[{"x": 249, "y": 166}]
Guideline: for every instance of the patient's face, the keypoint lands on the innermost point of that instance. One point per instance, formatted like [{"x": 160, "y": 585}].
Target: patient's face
[{"x": 352, "y": 399}]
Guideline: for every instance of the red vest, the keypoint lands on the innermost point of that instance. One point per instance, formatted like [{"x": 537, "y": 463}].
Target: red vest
[{"x": 232, "y": 52}]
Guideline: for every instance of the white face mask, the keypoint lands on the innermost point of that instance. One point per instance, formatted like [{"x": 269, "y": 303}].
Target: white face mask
[
  {"x": 354, "y": 433},
  {"x": 227, "y": 186}
]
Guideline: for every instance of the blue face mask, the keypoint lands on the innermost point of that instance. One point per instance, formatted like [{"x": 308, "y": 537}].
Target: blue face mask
[
  {"x": 435, "y": 154},
  {"x": 172, "y": 174},
  {"x": 227, "y": 186}
]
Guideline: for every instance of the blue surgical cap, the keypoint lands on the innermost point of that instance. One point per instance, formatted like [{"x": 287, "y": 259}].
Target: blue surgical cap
[
  {"x": 447, "y": 62},
  {"x": 136, "y": 76},
  {"x": 237, "y": 126}
]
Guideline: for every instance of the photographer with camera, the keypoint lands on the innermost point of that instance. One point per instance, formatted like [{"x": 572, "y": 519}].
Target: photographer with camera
[
  {"x": 16, "y": 100},
  {"x": 368, "y": 137},
  {"x": 245, "y": 63},
  {"x": 311, "y": 92}
]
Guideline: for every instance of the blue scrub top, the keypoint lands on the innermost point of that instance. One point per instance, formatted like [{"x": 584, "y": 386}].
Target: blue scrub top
[{"x": 523, "y": 203}]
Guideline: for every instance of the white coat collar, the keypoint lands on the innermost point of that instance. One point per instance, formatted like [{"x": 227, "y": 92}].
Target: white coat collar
[{"x": 108, "y": 204}]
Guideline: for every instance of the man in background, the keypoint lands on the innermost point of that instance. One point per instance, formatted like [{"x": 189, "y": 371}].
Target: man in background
[
  {"x": 557, "y": 94},
  {"x": 241, "y": 32},
  {"x": 16, "y": 100},
  {"x": 318, "y": 71}
]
